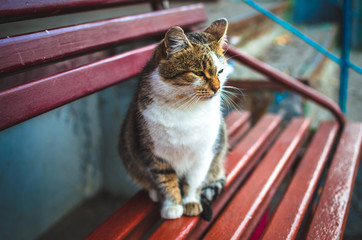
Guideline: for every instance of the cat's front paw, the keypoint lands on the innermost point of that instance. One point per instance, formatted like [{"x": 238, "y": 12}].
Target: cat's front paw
[
  {"x": 212, "y": 190},
  {"x": 172, "y": 211},
  {"x": 192, "y": 209}
]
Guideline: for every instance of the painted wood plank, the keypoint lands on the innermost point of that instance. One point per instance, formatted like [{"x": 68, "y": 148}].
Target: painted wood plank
[
  {"x": 20, "y": 8},
  {"x": 29, "y": 100},
  {"x": 120, "y": 224},
  {"x": 238, "y": 164},
  {"x": 136, "y": 217},
  {"x": 247, "y": 206},
  {"x": 287, "y": 218},
  {"x": 238, "y": 125},
  {"x": 330, "y": 217},
  {"x": 235, "y": 120},
  {"x": 27, "y": 50},
  {"x": 235, "y": 137}
]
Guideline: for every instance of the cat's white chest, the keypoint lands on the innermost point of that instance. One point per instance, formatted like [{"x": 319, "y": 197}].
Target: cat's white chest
[{"x": 182, "y": 137}]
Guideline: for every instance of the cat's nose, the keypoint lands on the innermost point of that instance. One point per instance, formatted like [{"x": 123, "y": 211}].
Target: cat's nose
[{"x": 215, "y": 89}]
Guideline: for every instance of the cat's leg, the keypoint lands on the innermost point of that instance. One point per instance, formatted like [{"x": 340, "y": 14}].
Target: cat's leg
[
  {"x": 214, "y": 184},
  {"x": 191, "y": 200},
  {"x": 167, "y": 181},
  {"x": 193, "y": 183},
  {"x": 215, "y": 180}
]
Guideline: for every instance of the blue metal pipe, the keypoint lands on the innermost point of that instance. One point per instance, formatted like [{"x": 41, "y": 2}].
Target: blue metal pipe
[
  {"x": 346, "y": 41},
  {"x": 343, "y": 62},
  {"x": 302, "y": 36},
  {"x": 293, "y": 30}
]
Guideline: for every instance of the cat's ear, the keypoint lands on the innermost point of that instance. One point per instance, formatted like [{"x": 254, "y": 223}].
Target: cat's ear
[
  {"x": 218, "y": 30},
  {"x": 175, "y": 40}
]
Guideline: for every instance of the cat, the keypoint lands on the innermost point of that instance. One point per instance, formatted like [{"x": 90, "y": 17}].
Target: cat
[{"x": 173, "y": 141}]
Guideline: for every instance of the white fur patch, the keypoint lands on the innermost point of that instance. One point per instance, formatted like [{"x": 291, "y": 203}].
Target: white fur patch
[
  {"x": 171, "y": 211},
  {"x": 183, "y": 137},
  {"x": 221, "y": 65}
]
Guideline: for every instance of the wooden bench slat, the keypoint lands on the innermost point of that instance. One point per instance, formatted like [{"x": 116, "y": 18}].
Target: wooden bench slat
[
  {"x": 331, "y": 214},
  {"x": 120, "y": 225},
  {"x": 242, "y": 214},
  {"x": 30, "y": 49},
  {"x": 237, "y": 124},
  {"x": 288, "y": 217},
  {"x": 235, "y": 119},
  {"x": 19, "y": 8},
  {"x": 139, "y": 214},
  {"x": 29, "y": 100},
  {"x": 242, "y": 158}
]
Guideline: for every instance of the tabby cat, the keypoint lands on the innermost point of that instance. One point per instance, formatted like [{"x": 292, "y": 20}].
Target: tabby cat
[{"x": 173, "y": 140}]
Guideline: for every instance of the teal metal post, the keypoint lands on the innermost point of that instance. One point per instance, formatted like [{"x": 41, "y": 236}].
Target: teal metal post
[{"x": 346, "y": 41}]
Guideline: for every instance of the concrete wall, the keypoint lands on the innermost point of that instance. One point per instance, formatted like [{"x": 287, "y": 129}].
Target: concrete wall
[
  {"x": 48, "y": 165},
  {"x": 114, "y": 103}
]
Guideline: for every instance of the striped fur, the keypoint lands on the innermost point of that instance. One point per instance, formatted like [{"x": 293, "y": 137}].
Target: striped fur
[{"x": 173, "y": 140}]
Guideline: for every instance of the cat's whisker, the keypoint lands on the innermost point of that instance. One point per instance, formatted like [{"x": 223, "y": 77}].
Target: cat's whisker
[
  {"x": 230, "y": 57},
  {"x": 188, "y": 102},
  {"x": 233, "y": 93},
  {"x": 238, "y": 94},
  {"x": 234, "y": 88},
  {"x": 228, "y": 46},
  {"x": 182, "y": 101},
  {"x": 226, "y": 97},
  {"x": 195, "y": 100},
  {"x": 229, "y": 103}
]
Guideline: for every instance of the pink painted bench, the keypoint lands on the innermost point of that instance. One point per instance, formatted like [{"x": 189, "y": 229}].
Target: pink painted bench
[{"x": 261, "y": 154}]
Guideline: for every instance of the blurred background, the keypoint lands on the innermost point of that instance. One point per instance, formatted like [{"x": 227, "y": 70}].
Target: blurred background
[{"x": 60, "y": 173}]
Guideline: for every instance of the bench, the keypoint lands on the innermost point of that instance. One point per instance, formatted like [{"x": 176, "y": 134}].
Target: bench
[{"x": 318, "y": 167}]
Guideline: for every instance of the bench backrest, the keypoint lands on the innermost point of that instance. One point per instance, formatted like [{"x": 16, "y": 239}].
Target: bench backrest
[{"x": 22, "y": 102}]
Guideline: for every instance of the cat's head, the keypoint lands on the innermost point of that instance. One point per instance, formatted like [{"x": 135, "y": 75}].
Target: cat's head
[{"x": 193, "y": 64}]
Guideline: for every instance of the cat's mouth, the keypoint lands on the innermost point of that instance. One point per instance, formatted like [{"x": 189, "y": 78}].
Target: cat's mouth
[{"x": 208, "y": 97}]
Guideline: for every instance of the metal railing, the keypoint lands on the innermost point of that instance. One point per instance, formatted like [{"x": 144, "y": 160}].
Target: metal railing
[{"x": 343, "y": 61}]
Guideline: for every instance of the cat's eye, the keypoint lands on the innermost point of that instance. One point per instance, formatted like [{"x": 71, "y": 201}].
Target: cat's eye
[
  {"x": 220, "y": 71},
  {"x": 200, "y": 74}
]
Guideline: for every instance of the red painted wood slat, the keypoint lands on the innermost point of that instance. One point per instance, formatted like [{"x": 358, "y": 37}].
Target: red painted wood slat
[
  {"x": 139, "y": 214},
  {"x": 127, "y": 219},
  {"x": 243, "y": 213},
  {"x": 236, "y": 119},
  {"x": 29, "y": 100},
  {"x": 20, "y": 8},
  {"x": 235, "y": 137},
  {"x": 238, "y": 164},
  {"x": 331, "y": 214},
  {"x": 288, "y": 217},
  {"x": 30, "y": 49},
  {"x": 237, "y": 123}
]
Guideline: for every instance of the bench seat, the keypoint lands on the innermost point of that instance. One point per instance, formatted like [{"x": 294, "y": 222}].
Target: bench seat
[{"x": 256, "y": 166}]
